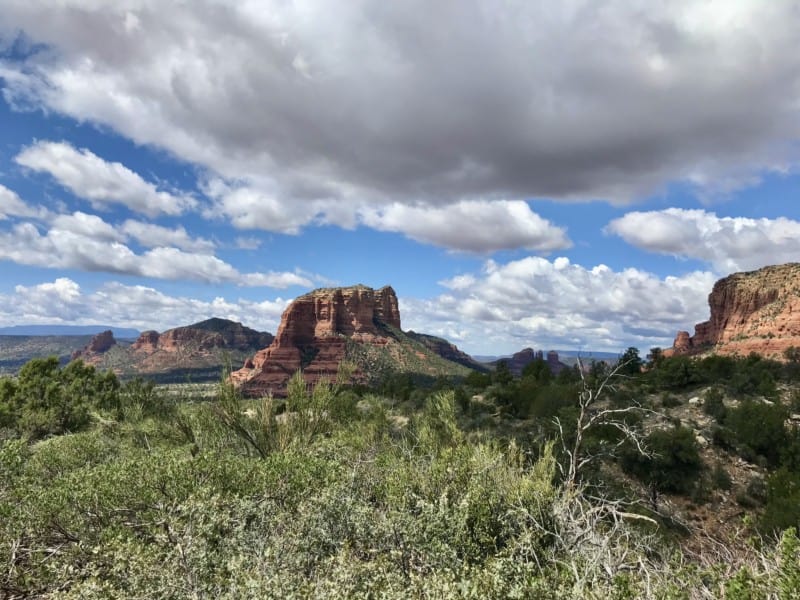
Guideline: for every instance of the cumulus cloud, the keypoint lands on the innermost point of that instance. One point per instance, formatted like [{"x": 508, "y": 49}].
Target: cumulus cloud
[
  {"x": 87, "y": 243},
  {"x": 471, "y": 225},
  {"x": 11, "y": 205},
  {"x": 555, "y": 304},
  {"x": 413, "y": 103},
  {"x": 88, "y": 176},
  {"x": 63, "y": 301},
  {"x": 150, "y": 235},
  {"x": 727, "y": 243}
]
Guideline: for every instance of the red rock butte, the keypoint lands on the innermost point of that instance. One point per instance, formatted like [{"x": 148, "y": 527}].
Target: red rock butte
[
  {"x": 757, "y": 311},
  {"x": 313, "y": 336}
]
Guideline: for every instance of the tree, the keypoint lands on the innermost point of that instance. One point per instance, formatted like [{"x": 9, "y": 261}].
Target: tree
[
  {"x": 538, "y": 370},
  {"x": 49, "y": 400},
  {"x": 630, "y": 362},
  {"x": 671, "y": 465},
  {"x": 502, "y": 374},
  {"x": 589, "y": 418},
  {"x": 655, "y": 356}
]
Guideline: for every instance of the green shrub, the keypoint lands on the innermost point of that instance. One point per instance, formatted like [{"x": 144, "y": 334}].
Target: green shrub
[
  {"x": 46, "y": 399},
  {"x": 673, "y": 463},
  {"x": 759, "y": 427},
  {"x": 714, "y": 405}
]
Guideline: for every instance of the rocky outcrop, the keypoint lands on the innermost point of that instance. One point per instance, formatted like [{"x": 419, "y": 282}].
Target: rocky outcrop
[
  {"x": 199, "y": 352},
  {"x": 207, "y": 335},
  {"x": 93, "y": 351},
  {"x": 756, "y": 311},
  {"x": 313, "y": 336},
  {"x": 518, "y": 361}
]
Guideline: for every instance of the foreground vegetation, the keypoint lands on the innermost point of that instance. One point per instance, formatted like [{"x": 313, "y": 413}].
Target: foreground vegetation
[{"x": 493, "y": 487}]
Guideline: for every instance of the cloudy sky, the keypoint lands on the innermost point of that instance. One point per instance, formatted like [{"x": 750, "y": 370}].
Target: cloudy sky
[{"x": 570, "y": 175}]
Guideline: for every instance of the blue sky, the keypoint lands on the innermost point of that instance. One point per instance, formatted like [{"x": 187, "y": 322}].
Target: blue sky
[{"x": 554, "y": 175}]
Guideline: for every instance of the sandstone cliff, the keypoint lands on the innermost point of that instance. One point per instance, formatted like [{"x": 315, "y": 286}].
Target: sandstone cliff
[
  {"x": 93, "y": 352},
  {"x": 757, "y": 311},
  {"x": 321, "y": 329},
  {"x": 313, "y": 336}
]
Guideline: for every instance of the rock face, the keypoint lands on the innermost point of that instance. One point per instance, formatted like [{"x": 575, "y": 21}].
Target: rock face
[
  {"x": 313, "y": 336},
  {"x": 199, "y": 352},
  {"x": 99, "y": 345},
  {"x": 520, "y": 360},
  {"x": 206, "y": 335},
  {"x": 756, "y": 311}
]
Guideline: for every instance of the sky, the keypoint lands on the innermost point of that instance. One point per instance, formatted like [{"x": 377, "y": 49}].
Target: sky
[{"x": 571, "y": 175}]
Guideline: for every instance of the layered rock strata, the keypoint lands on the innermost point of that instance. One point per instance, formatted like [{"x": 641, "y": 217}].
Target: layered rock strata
[
  {"x": 313, "y": 336},
  {"x": 756, "y": 311},
  {"x": 93, "y": 351}
]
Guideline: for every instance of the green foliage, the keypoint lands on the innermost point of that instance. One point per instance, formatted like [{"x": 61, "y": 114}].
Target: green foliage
[
  {"x": 538, "y": 370},
  {"x": 502, "y": 374},
  {"x": 630, "y": 363},
  {"x": 782, "y": 508},
  {"x": 677, "y": 372},
  {"x": 478, "y": 380},
  {"x": 673, "y": 463},
  {"x": 714, "y": 405},
  {"x": 759, "y": 427},
  {"x": 720, "y": 478},
  {"x": 328, "y": 495},
  {"x": 46, "y": 399}
]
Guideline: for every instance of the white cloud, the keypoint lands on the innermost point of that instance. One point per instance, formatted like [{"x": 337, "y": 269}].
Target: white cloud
[
  {"x": 88, "y": 176},
  {"x": 63, "y": 301},
  {"x": 471, "y": 225},
  {"x": 155, "y": 236},
  {"x": 556, "y": 304},
  {"x": 88, "y": 226},
  {"x": 11, "y": 205},
  {"x": 367, "y": 102},
  {"x": 247, "y": 243},
  {"x": 87, "y": 243},
  {"x": 258, "y": 205},
  {"x": 727, "y": 243}
]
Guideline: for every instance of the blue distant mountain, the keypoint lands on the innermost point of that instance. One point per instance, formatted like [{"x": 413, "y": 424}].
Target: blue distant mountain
[{"x": 120, "y": 333}]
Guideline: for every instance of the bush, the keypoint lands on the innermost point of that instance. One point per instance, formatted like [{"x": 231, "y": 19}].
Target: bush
[
  {"x": 714, "y": 406},
  {"x": 760, "y": 427},
  {"x": 48, "y": 400},
  {"x": 673, "y": 463}
]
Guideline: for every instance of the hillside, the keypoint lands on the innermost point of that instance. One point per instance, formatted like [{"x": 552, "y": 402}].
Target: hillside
[
  {"x": 16, "y": 350},
  {"x": 198, "y": 352}
]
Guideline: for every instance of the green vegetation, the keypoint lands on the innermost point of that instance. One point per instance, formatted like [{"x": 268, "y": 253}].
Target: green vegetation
[{"x": 486, "y": 486}]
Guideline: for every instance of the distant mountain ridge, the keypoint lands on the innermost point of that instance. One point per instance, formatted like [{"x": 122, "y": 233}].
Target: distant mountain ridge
[
  {"x": 199, "y": 352},
  {"x": 69, "y": 330}
]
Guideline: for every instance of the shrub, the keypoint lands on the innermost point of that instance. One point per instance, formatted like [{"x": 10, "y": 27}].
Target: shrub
[
  {"x": 673, "y": 463},
  {"x": 760, "y": 427},
  {"x": 714, "y": 406},
  {"x": 46, "y": 399}
]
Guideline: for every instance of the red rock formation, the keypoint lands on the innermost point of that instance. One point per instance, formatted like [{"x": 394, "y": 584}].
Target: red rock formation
[
  {"x": 214, "y": 333},
  {"x": 757, "y": 311},
  {"x": 313, "y": 336},
  {"x": 99, "y": 345},
  {"x": 146, "y": 342}
]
